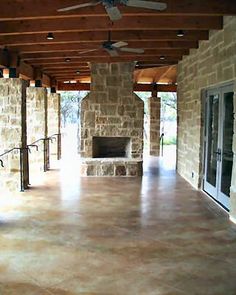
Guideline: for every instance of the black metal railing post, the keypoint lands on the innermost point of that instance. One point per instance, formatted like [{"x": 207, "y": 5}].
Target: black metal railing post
[
  {"x": 22, "y": 186},
  {"x": 162, "y": 143},
  {"x": 45, "y": 154}
]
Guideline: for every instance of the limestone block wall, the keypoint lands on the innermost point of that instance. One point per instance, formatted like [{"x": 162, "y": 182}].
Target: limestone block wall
[
  {"x": 212, "y": 64},
  {"x": 154, "y": 108},
  {"x": 12, "y": 130},
  {"x": 111, "y": 108},
  {"x": 54, "y": 122},
  {"x": 36, "y": 124}
]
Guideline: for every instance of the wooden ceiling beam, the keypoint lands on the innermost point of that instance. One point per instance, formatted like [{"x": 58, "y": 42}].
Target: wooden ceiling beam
[
  {"x": 100, "y": 53},
  {"x": 89, "y": 37},
  {"x": 73, "y": 86},
  {"x": 74, "y": 65},
  {"x": 137, "y": 87},
  {"x": 159, "y": 87},
  {"x": 83, "y": 46},
  {"x": 38, "y": 9},
  {"x": 73, "y": 78},
  {"x": 103, "y": 24},
  {"x": 59, "y": 67},
  {"x": 10, "y": 60},
  {"x": 69, "y": 70},
  {"x": 74, "y": 73}
]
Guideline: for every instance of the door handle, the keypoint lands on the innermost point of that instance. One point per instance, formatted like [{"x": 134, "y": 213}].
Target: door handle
[{"x": 218, "y": 153}]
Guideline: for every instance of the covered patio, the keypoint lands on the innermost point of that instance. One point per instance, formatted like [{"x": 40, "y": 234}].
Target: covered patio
[{"x": 103, "y": 217}]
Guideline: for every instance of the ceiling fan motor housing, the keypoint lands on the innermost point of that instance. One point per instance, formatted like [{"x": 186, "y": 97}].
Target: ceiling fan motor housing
[
  {"x": 108, "y": 45},
  {"x": 112, "y": 3}
]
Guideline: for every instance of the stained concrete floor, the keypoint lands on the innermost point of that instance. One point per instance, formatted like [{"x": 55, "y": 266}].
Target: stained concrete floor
[{"x": 150, "y": 236}]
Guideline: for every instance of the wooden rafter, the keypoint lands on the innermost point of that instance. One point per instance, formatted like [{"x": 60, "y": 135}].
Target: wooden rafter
[
  {"x": 137, "y": 87},
  {"x": 102, "y": 23},
  {"x": 25, "y": 24},
  {"x": 41, "y": 9}
]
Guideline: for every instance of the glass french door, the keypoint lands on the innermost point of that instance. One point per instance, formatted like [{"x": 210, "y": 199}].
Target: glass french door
[{"x": 218, "y": 143}]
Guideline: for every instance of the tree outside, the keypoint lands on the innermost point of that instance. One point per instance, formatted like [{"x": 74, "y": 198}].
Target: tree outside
[
  {"x": 168, "y": 115},
  {"x": 70, "y": 106},
  {"x": 70, "y": 117}
]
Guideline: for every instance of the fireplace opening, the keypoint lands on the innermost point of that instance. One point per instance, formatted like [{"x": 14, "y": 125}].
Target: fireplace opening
[{"x": 111, "y": 147}]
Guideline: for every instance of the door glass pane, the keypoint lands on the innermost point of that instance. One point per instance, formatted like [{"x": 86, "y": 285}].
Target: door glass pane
[
  {"x": 213, "y": 116},
  {"x": 227, "y": 154}
]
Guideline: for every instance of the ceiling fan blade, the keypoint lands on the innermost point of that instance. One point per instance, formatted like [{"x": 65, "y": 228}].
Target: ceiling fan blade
[
  {"x": 119, "y": 44},
  {"x": 92, "y": 3},
  {"x": 147, "y": 4},
  {"x": 134, "y": 50},
  {"x": 112, "y": 52},
  {"x": 89, "y": 50},
  {"x": 113, "y": 13}
]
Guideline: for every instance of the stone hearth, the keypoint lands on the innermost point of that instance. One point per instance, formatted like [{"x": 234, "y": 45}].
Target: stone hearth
[
  {"x": 111, "y": 167},
  {"x": 111, "y": 123}
]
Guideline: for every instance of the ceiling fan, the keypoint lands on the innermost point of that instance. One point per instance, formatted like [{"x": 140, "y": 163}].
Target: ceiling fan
[
  {"x": 113, "y": 48},
  {"x": 112, "y": 9}
]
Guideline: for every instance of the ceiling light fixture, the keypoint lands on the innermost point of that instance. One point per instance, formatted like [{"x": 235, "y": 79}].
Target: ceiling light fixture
[
  {"x": 77, "y": 72},
  {"x": 50, "y": 36},
  {"x": 180, "y": 33},
  {"x": 162, "y": 57},
  {"x": 67, "y": 59}
]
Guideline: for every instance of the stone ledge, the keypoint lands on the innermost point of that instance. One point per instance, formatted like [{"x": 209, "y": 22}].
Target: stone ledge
[{"x": 112, "y": 167}]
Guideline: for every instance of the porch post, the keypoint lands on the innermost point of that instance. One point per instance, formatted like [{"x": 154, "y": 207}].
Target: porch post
[
  {"x": 154, "y": 108},
  {"x": 13, "y": 174},
  {"x": 37, "y": 128}
]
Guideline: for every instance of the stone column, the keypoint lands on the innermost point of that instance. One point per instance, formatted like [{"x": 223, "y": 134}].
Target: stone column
[
  {"x": 154, "y": 109},
  {"x": 54, "y": 123},
  {"x": 37, "y": 126},
  {"x": 12, "y": 132},
  {"x": 233, "y": 180}
]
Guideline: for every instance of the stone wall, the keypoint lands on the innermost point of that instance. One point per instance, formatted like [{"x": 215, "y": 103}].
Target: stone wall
[
  {"x": 111, "y": 108},
  {"x": 212, "y": 64},
  {"x": 54, "y": 122},
  {"x": 12, "y": 128},
  {"x": 154, "y": 109},
  {"x": 36, "y": 125}
]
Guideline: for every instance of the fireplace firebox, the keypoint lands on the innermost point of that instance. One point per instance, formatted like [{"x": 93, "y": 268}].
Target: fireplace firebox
[{"x": 111, "y": 147}]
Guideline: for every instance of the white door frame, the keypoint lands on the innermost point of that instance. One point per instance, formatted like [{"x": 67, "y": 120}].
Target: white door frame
[{"x": 215, "y": 191}]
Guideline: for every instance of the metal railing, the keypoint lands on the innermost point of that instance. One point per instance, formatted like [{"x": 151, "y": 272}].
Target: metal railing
[
  {"x": 162, "y": 143},
  {"x": 22, "y": 151},
  {"x": 24, "y": 155}
]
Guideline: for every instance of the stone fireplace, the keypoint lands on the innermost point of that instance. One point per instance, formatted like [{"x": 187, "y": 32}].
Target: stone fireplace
[{"x": 111, "y": 129}]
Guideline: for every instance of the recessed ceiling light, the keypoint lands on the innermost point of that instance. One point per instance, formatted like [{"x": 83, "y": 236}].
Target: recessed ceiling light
[
  {"x": 162, "y": 57},
  {"x": 180, "y": 33},
  {"x": 67, "y": 59},
  {"x": 50, "y": 36}
]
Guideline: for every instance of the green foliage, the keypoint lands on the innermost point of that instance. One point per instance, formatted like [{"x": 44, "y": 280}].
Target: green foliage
[
  {"x": 170, "y": 140},
  {"x": 168, "y": 106},
  {"x": 70, "y": 106}
]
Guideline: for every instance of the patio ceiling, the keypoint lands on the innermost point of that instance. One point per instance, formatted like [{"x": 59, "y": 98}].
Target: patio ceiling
[{"x": 25, "y": 24}]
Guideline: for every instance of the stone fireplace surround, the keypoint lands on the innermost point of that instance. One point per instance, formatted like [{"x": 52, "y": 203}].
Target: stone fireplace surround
[{"x": 111, "y": 129}]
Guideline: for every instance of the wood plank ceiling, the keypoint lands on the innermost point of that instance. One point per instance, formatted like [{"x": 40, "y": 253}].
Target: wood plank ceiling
[{"x": 24, "y": 25}]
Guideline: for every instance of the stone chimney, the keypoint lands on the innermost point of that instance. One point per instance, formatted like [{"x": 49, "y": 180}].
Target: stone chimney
[{"x": 112, "y": 112}]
